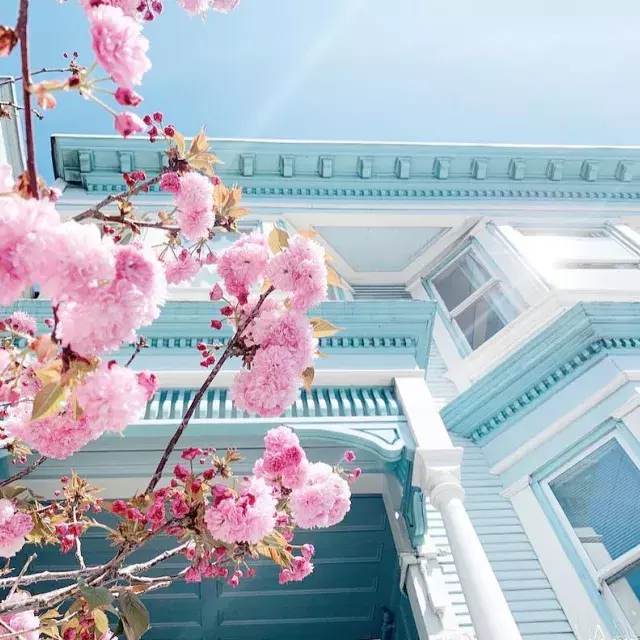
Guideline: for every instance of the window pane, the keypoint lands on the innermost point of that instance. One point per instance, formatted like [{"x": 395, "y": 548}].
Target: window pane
[
  {"x": 459, "y": 280},
  {"x": 600, "y": 496},
  {"x": 485, "y": 317},
  {"x": 589, "y": 245},
  {"x": 626, "y": 590}
]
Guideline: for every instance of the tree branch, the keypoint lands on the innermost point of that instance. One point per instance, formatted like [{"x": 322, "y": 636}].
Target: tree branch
[
  {"x": 26, "y": 98},
  {"x": 13, "y": 105},
  {"x": 145, "y": 566},
  {"x": 35, "y": 73},
  {"x": 198, "y": 397},
  {"x": 25, "y": 566},
  {"x": 24, "y": 472},
  {"x": 94, "y": 212}
]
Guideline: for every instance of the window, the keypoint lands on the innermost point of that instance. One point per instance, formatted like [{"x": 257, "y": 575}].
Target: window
[
  {"x": 549, "y": 249},
  {"x": 597, "y": 499},
  {"x": 472, "y": 298}
]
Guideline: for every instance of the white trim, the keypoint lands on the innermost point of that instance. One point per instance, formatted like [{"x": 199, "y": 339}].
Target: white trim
[
  {"x": 598, "y": 574},
  {"x": 192, "y": 379},
  {"x": 618, "y": 565},
  {"x": 516, "y": 487},
  {"x": 571, "y": 593},
  {"x": 561, "y": 423}
]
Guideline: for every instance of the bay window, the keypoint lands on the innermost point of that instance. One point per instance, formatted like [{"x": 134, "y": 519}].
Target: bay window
[
  {"x": 596, "y": 497},
  {"x": 472, "y": 298}
]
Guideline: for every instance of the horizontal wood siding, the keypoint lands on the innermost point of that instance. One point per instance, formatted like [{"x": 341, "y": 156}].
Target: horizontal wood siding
[{"x": 532, "y": 600}]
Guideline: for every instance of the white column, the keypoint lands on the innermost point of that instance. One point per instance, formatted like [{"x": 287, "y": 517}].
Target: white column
[
  {"x": 436, "y": 471},
  {"x": 488, "y": 607}
]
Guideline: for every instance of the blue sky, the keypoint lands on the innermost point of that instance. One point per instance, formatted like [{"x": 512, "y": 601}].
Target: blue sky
[{"x": 535, "y": 71}]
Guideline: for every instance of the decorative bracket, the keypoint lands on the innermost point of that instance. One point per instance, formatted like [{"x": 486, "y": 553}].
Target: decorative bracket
[{"x": 413, "y": 504}]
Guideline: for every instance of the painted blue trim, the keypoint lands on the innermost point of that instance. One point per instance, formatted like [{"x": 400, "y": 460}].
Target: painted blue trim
[
  {"x": 607, "y": 427},
  {"x": 368, "y": 326},
  {"x": 395, "y": 170},
  {"x": 580, "y": 338},
  {"x": 569, "y": 548},
  {"x": 413, "y": 505}
]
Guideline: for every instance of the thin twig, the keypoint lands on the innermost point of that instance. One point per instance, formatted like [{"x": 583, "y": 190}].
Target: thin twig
[
  {"x": 47, "y": 576},
  {"x": 24, "y": 472},
  {"x": 36, "y": 73},
  {"x": 145, "y": 566},
  {"x": 198, "y": 396},
  {"x": 94, "y": 212},
  {"x": 19, "y": 577},
  {"x": 141, "y": 343},
  {"x": 26, "y": 98},
  {"x": 36, "y": 113},
  {"x": 79, "y": 556}
]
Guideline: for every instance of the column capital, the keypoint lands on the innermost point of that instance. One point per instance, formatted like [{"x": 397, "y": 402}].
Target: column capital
[{"x": 442, "y": 486}]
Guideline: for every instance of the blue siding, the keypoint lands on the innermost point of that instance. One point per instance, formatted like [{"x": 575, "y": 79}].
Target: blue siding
[{"x": 532, "y": 600}]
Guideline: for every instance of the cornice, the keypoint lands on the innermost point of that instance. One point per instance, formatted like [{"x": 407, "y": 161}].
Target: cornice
[
  {"x": 541, "y": 367},
  {"x": 396, "y": 326},
  {"x": 355, "y": 170}
]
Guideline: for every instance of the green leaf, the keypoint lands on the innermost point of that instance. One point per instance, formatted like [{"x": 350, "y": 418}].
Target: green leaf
[
  {"x": 47, "y": 400},
  {"x": 134, "y": 615},
  {"x": 95, "y": 596},
  {"x": 11, "y": 492},
  {"x": 100, "y": 620}
]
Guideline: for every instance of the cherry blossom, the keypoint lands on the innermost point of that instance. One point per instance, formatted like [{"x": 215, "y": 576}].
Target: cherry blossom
[
  {"x": 300, "y": 270},
  {"x": 24, "y": 226},
  {"x": 111, "y": 398},
  {"x": 194, "y": 7},
  {"x": 270, "y": 386},
  {"x": 323, "y": 500},
  {"x": 128, "y": 124},
  {"x": 182, "y": 269},
  {"x": 245, "y": 517},
  {"x": 119, "y": 45},
  {"x": 20, "y": 322},
  {"x": 290, "y": 329},
  {"x": 58, "y": 436},
  {"x": 26, "y": 621},
  {"x": 224, "y": 6},
  {"x": 14, "y": 527},
  {"x": 243, "y": 264}
]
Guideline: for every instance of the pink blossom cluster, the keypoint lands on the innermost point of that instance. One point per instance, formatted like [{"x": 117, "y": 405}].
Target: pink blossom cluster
[
  {"x": 183, "y": 268},
  {"x": 287, "y": 347},
  {"x": 323, "y": 500},
  {"x": 194, "y": 200},
  {"x": 14, "y": 527},
  {"x": 110, "y": 398},
  {"x": 118, "y": 44},
  {"x": 24, "y": 621},
  {"x": 300, "y": 270},
  {"x": 19, "y": 322},
  {"x": 104, "y": 292},
  {"x": 24, "y": 246},
  {"x": 284, "y": 460},
  {"x": 246, "y": 516},
  {"x": 244, "y": 264}
]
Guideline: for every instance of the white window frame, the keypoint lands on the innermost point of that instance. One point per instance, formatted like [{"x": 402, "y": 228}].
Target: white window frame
[
  {"x": 607, "y": 230},
  {"x": 492, "y": 282},
  {"x": 601, "y": 577}
]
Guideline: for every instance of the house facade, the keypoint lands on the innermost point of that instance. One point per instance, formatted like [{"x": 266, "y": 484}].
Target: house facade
[{"x": 487, "y": 375}]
